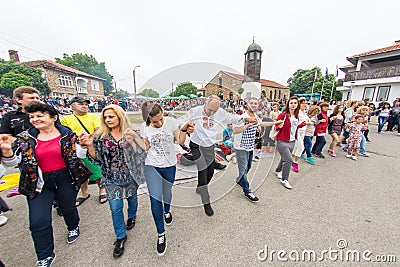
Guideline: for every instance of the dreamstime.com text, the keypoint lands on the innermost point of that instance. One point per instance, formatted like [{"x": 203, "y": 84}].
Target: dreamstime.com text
[{"x": 339, "y": 253}]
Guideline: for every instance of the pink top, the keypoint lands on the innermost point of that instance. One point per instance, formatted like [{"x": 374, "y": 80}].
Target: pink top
[{"x": 48, "y": 155}]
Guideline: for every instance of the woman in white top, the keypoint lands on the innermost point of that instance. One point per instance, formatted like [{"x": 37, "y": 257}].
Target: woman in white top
[
  {"x": 158, "y": 134},
  {"x": 299, "y": 144}
]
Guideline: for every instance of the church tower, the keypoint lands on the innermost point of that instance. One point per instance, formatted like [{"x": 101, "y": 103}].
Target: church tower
[{"x": 252, "y": 63}]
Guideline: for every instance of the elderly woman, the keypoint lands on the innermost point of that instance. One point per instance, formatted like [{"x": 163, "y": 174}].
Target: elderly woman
[
  {"x": 50, "y": 169},
  {"x": 119, "y": 151}
]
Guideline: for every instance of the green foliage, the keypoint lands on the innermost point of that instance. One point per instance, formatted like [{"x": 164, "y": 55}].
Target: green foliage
[
  {"x": 19, "y": 75},
  {"x": 302, "y": 80},
  {"x": 240, "y": 90},
  {"x": 120, "y": 94},
  {"x": 149, "y": 92},
  {"x": 90, "y": 65},
  {"x": 185, "y": 88}
]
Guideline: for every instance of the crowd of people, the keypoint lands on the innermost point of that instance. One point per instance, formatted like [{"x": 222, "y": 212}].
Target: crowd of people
[{"x": 57, "y": 157}]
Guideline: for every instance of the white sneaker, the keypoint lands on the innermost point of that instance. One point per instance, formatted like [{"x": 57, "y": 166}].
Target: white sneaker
[
  {"x": 286, "y": 184},
  {"x": 354, "y": 157},
  {"x": 3, "y": 220},
  {"x": 234, "y": 160},
  {"x": 228, "y": 157},
  {"x": 255, "y": 159},
  {"x": 348, "y": 156},
  {"x": 364, "y": 155},
  {"x": 278, "y": 175}
]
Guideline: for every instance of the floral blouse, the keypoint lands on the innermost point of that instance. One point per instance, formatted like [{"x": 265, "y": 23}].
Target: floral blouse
[{"x": 123, "y": 169}]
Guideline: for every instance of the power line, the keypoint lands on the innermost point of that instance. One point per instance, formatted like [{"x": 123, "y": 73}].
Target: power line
[{"x": 36, "y": 51}]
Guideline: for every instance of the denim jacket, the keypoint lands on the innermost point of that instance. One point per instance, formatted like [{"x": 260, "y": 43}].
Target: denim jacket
[{"x": 31, "y": 176}]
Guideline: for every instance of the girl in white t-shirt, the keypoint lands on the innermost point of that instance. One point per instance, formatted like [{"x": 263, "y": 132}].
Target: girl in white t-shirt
[{"x": 158, "y": 133}]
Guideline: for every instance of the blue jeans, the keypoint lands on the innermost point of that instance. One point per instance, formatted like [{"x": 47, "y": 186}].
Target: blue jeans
[
  {"x": 244, "y": 161},
  {"x": 58, "y": 185},
  {"x": 318, "y": 145},
  {"x": 308, "y": 145},
  {"x": 117, "y": 214},
  {"x": 159, "y": 182},
  {"x": 381, "y": 122},
  {"x": 363, "y": 145}
]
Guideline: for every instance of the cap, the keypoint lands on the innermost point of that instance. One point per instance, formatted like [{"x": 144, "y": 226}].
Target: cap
[{"x": 78, "y": 99}]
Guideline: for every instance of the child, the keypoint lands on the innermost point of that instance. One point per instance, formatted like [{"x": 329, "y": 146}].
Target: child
[
  {"x": 336, "y": 122},
  {"x": 258, "y": 144},
  {"x": 227, "y": 143},
  {"x": 320, "y": 130},
  {"x": 313, "y": 112},
  {"x": 355, "y": 130}
]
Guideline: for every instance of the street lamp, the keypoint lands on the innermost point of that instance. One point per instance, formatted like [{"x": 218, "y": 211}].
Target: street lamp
[{"x": 134, "y": 79}]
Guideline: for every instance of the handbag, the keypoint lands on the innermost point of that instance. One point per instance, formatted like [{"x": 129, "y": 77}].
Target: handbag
[{"x": 273, "y": 133}]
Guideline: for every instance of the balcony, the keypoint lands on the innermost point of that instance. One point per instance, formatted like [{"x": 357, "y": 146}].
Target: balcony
[
  {"x": 81, "y": 90},
  {"x": 373, "y": 73}
]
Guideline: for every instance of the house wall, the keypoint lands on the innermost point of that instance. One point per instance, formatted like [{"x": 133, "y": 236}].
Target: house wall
[
  {"x": 229, "y": 84},
  {"x": 284, "y": 93},
  {"x": 357, "y": 92}
]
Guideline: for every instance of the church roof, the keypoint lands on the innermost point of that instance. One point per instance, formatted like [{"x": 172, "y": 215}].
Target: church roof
[
  {"x": 254, "y": 47},
  {"x": 264, "y": 82}
]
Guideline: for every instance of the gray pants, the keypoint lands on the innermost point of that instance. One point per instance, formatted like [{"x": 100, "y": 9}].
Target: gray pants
[{"x": 285, "y": 150}]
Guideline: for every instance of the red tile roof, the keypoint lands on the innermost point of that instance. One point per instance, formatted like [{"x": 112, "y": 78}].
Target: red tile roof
[
  {"x": 264, "y": 82},
  {"x": 55, "y": 65},
  {"x": 378, "y": 51}
]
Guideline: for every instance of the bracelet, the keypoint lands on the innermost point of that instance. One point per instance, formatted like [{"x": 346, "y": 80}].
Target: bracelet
[
  {"x": 10, "y": 157},
  {"x": 184, "y": 131}
]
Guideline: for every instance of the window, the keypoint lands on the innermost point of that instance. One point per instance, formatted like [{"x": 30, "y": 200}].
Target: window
[
  {"x": 220, "y": 82},
  {"x": 95, "y": 85},
  {"x": 65, "y": 81},
  {"x": 369, "y": 93},
  {"x": 258, "y": 56},
  {"x": 279, "y": 94},
  {"x": 270, "y": 95},
  {"x": 251, "y": 56},
  {"x": 383, "y": 92}
]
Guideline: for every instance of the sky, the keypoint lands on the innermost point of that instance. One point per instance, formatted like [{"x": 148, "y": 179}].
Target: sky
[{"x": 176, "y": 41}]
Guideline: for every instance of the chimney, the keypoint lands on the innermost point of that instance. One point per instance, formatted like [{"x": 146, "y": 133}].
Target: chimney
[{"x": 13, "y": 55}]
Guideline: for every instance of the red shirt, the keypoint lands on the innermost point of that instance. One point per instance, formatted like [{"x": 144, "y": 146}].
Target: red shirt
[
  {"x": 48, "y": 155},
  {"x": 284, "y": 132}
]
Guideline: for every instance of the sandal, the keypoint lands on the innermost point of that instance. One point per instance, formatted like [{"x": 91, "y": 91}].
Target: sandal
[
  {"x": 80, "y": 200},
  {"x": 101, "y": 197}
]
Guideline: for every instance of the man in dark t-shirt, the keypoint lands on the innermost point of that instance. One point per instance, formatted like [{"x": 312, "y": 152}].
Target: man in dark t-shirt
[{"x": 16, "y": 121}]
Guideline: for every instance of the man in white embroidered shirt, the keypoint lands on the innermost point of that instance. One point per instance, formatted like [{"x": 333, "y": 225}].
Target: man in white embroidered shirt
[{"x": 207, "y": 119}]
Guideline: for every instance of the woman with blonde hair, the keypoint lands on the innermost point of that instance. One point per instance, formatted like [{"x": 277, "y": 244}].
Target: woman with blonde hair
[{"x": 119, "y": 152}]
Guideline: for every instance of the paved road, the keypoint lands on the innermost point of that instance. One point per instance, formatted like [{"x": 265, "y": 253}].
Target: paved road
[{"x": 337, "y": 199}]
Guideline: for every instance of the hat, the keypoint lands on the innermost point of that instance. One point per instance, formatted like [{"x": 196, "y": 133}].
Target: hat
[{"x": 78, "y": 99}]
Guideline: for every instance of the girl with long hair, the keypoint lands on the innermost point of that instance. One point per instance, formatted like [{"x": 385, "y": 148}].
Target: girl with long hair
[{"x": 335, "y": 126}]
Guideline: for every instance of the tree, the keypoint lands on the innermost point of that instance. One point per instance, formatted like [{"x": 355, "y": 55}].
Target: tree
[
  {"x": 90, "y": 65},
  {"x": 302, "y": 81},
  {"x": 240, "y": 91},
  {"x": 120, "y": 94},
  {"x": 149, "y": 93},
  {"x": 18, "y": 75},
  {"x": 185, "y": 88}
]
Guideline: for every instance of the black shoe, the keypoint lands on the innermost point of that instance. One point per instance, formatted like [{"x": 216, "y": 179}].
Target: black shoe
[
  {"x": 319, "y": 156},
  {"x": 130, "y": 223},
  {"x": 168, "y": 218},
  {"x": 209, "y": 211},
  {"x": 59, "y": 213},
  {"x": 219, "y": 166},
  {"x": 252, "y": 197},
  {"x": 161, "y": 245},
  {"x": 119, "y": 247}
]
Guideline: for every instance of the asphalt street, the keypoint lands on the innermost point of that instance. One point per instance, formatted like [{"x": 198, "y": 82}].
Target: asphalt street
[{"x": 338, "y": 205}]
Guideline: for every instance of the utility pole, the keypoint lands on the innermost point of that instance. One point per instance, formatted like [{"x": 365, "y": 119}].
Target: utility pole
[{"x": 134, "y": 79}]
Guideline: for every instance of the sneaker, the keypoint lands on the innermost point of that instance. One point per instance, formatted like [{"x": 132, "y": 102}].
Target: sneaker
[
  {"x": 47, "y": 262},
  {"x": 303, "y": 157},
  {"x": 255, "y": 159},
  {"x": 364, "y": 154},
  {"x": 368, "y": 140},
  {"x": 348, "y": 156},
  {"x": 320, "y": 156},
  {"x": 219, "y": 166},
  {"x": 278, "y": 175},
  {"x": 311, "y": 160},
  {"x": 161, "y": 245},
  {"x": 331, "y": 153},
  {"x": 130, "y": 223},
  {"x": 228, "y": 157},
  {"x": 119, "y": 247},
  {"x": 354, "y": 157},
  {"x": 3, "y": 220},
  {"x": 73, "y": 235},
  {"x": 168, "y": 218},
  {"x": 295, "y": 167},
  {"x": 208, "y": 210},
  {"x": 286, "y": 184},
  {"x": 58, "y": 209},
  {"x": 252, "y": 197},
  {"x": 344, "y": 149}
]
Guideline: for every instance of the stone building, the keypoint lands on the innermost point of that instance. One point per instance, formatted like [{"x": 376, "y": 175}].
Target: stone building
[
  {"x": 64, "y": 81},
  {"x": 227, "y": 84}
]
